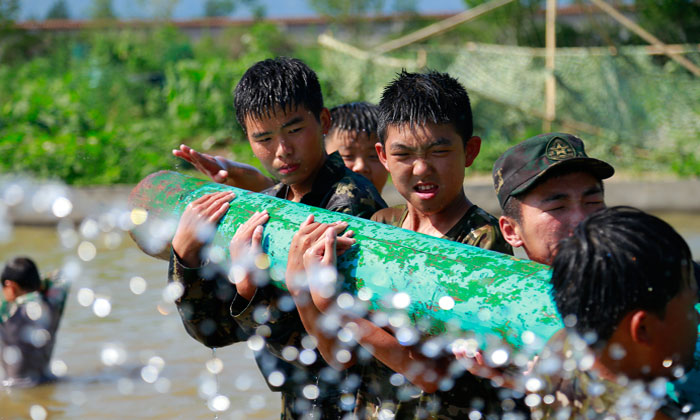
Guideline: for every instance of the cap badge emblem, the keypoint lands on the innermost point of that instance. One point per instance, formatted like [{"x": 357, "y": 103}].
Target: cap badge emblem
[{"x": 560, "y": 149}]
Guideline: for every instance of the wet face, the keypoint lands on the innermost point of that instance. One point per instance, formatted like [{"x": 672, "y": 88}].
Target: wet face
[
  {"x": 551, "y": 211},
  {"x": 678, "y": 331},
  {"x": 427, "y": 164},
  {"x": 289, "y": 143},
  {"x": 359, "y": 154}
]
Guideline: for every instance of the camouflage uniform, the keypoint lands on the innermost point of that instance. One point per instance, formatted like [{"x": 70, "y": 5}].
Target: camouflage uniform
[
  {"x": 580, "y": 393},
  {"x": 476, "y": 228},
  {"x": 466, "y": 392},
  {"x": 17, "y": 321},
  {"x": 215, "y": 315}
]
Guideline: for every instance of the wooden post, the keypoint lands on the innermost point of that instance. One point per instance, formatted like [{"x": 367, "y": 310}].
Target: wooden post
[
  {"x": 439, "y": 27},
  {"x": 647, "y": 36},
  {"x": 550, "y": 86}
]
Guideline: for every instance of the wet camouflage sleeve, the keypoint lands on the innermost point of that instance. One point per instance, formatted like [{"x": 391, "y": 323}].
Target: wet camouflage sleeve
[
  {"x": 356, "y": 199},
  {"x": 205, "y": 303}
]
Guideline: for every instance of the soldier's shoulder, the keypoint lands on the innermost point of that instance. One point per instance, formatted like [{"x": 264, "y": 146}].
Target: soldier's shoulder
[{"x": 390, "y": 215}]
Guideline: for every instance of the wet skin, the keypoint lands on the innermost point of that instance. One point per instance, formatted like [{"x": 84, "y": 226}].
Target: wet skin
[
  {"x": 427, "y": 164},
  {"x": 359, "y": 154},
  {"x": 289, "y": 145},
  {"x": 551, "y": 211}
]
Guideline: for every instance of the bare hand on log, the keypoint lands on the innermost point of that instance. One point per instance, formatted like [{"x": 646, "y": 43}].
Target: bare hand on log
[
  {"x": 197, "y": 225},
  {"x": 246, "y": 243},
  {"x": 225, "y": 171}
]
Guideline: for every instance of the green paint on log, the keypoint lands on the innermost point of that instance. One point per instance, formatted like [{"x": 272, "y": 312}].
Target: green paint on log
[{"x": 494, "y": 294}]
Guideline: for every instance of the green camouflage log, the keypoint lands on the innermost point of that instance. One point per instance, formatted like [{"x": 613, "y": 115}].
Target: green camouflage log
[{"x": 446, "y": 284}]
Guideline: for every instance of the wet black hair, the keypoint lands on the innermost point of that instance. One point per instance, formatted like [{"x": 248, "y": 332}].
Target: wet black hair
[
  {"x": 22, "y": 271},
  {"x": 619, "y": 259},
  {"x": 418, "y": 98},
  {"x": 281, "y": 82},
  {"x": 355, "y": 116}
]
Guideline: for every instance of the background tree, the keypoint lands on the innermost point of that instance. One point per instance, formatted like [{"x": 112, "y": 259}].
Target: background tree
[
  {"x": 9, "y": 10},
  {"x": 160, "y": 9},
  {"x": 102, "y": 9},
  {"x": 214, "y": 8},
  {"x": 59, "y": 10}
]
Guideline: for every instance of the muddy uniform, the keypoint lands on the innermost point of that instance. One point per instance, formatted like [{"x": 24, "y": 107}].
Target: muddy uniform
[
  {"x": 468, "y": 392},
  {"x": 216, "y": 316},
  {"x": 32, "y": 312}
]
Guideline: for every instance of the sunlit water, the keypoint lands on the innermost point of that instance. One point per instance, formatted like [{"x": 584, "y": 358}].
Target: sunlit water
[
  {"x": 140, "y": 331},
  {"x": 137, "y": 362}
]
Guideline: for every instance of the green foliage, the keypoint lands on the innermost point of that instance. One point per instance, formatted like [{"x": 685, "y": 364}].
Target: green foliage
[
  {"x": 219, "y": 7},
  {"x": 59, "y": 10},
  {"x": 107, "y": 106},
  {"x": 102, "y": 9}
]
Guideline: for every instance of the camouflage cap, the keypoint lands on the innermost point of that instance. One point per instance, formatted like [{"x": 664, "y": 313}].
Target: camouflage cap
[{"x": 517, "y": 170}]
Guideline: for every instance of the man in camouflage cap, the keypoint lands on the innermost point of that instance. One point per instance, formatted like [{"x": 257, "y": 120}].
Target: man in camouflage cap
[{"x": 546, "y": 185}]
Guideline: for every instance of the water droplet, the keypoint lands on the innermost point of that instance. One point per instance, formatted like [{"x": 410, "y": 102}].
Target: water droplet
[
  {"x": 528, "y": 337},
  {"x": 215, "y": 365},
  {"x": 262, "y": 261},
  {"x": 113, "y": 354},
  {"x": 401, "y": 300},
  {"x": 137, "y": 285},
  {"x": 570, "y": 321},
  {"x": 61, "y": 207},
  {"x": 219, "y": 403},
  {"x": 37, "y": 412},
  {"x": 290, "y": 353},
  {"x": 397, "y": 379},
  {"x": 499, "y": 357},
  {"x": 255, "y": 343},
  {"x": 149, "y": 374},
  {"x": 407, "y": 336},
  {"x": 59, "y": 367},
  {"x": 101, "y": 307},
  {"x": 11, "y": 355},
  {"x": 307, "y": 357},
  {"x": 484, "y": 314},
  {"x": 533, "y": 384},
  {"x": 617, "y": 352},
  {"x": 667, "y": 363},
  {"x": 364, "y": 294},
  {"x": 173, "y": 291},
  {"x": 309, "y": 342},
  {"x": 343, "y": 356},
  {"x": 13, "y": 195},
  {"x": 475, "y": 415},
  {"x": 86, "y": 251},
  {"x": 89, "y": 229},
  {"x": 311, "y": 392},
  {"x": 548, "y": 399},
  {"x": 446, "y": 303},
  {"x": 85, "y": 296},
  {"x": 533, "y": 400},
  {"x": 276, "y": 378},
  {"x": 33, "y": 310},
  {"x": 345, "y": 301},
  {"x": 138, "y": 216}
]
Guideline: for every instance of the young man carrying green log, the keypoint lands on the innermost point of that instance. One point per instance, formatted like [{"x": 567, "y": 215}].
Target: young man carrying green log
[
  {"x": 426, "y": 142},
  {"x": 279, "y": 105}
]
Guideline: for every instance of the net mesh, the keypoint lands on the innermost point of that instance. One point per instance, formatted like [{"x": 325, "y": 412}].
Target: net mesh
[{"x": 627, "y": 104}]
